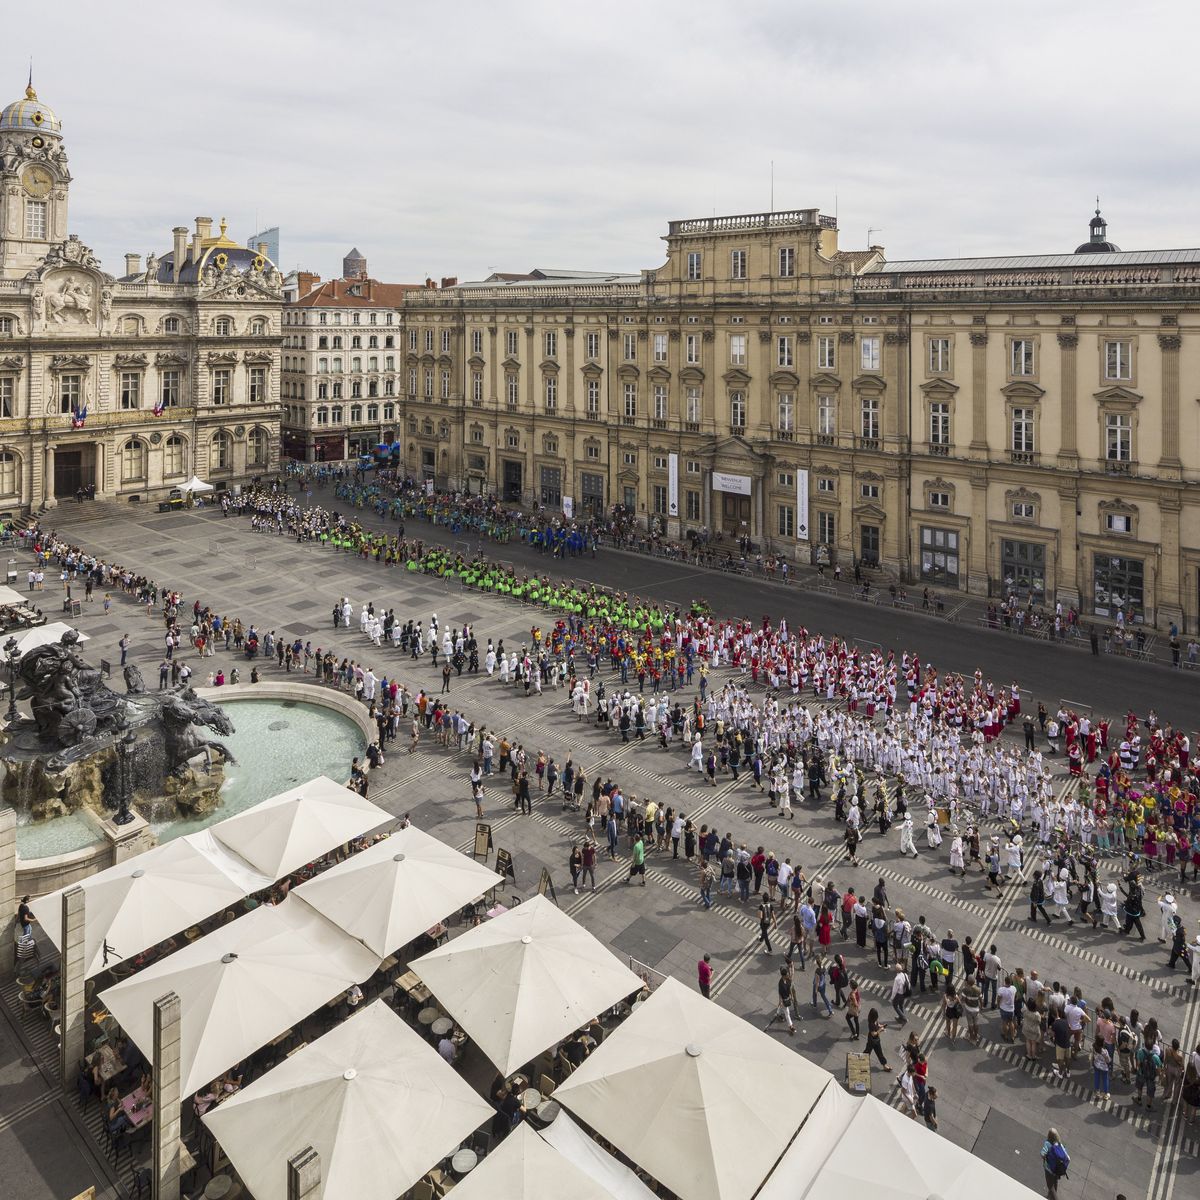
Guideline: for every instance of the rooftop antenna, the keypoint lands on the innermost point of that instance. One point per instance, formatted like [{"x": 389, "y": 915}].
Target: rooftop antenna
[
  {"x": 772, "y": 208},
  {"x": 875, "y": 229}
]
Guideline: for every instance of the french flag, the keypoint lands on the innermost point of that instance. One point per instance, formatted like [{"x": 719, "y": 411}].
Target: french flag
[{"x": 79, "y": 418}]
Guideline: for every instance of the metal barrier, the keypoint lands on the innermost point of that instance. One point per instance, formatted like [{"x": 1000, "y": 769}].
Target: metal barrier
[
  {"x": 1077, "y": 707},
  {"x": 646, "y": 973}
]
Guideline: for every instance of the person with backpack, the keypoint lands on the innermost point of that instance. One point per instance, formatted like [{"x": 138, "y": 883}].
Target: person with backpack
[
  {"x": 1134, "y": 907},
  {"x": 1037, "y": 899},
  {"x": 1055, "y": 1161}
]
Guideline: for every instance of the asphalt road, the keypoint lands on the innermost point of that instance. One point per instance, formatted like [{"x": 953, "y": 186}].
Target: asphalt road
[{"x": 1110, "y": 684}]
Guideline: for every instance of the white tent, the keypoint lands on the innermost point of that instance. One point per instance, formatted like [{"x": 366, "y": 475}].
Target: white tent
[
  {"x": 44, "y": 635},
  {"x": 374, "y": 1100},
  {"x": 242, "y": 986},
  {"x": 885, "y": 1155},
  {"x": 196, "y": 484},
  {"x": 698, "y": 1097},
  {"x": 524, "y": 1167},
  {"x": 593, "y": 1160},
  {"x": 396, "y": 889},
  {"x": 145, "y": 899},
  {"x": 287, "y": 831},
  {"x": 522, "y": 982}
]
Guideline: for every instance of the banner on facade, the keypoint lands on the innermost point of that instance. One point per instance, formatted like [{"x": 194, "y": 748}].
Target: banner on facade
[
  {"x": 672, "y": 485},
  {"x": 429, "y": 487},
  {"x": 802, "y": 506},
  {"x": 738, "y": 485},
  {"x": 568, "y": 507}
]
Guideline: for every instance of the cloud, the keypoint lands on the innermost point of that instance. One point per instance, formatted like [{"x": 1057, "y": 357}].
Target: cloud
[{"x": 456, "y": 138}]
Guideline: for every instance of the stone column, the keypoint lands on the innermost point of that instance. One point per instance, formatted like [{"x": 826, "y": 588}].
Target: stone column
[
  {"x": 979, "y": 443},
  {"x": 1168, "y": 597},
  {"x": 1068, "y": 450},
  {"x": 71, "y": 987},
  {"x": 8, "y": 889},
  {"x": 304, "y": 1175},
  {"x": 893, "y": 396},
  {"x": 165, "y": 1176},
  {"x": 566, "y": 394},
  {"x": 48, "y": 499},
  {"x": 978, "y": 549},
  {"x": 1071, "y": 581},
  {"x": 1169, "y": 464}
]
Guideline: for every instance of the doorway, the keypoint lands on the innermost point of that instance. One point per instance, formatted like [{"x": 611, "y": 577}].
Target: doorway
[
  {"x": 868, "y": 550},
  {"x": 514, "y": 478},
  {"x": 74, "y": 467},
  {"x": 428, "y": 463},
  {"x": 735, "y": 514}
]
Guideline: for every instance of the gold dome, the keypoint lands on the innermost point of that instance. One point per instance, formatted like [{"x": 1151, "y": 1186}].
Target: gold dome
[{"x": 31, "y": 115}]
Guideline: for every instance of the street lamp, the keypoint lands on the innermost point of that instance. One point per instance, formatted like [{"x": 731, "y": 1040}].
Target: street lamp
[
  {"x": 125, "y": 793},
  {"x": 12, "y": 654}
]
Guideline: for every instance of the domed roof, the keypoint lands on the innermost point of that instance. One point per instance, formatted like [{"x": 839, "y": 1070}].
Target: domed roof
[
  {"x": 1098, "y": 242},
  {"x": 30, "y": 114}
]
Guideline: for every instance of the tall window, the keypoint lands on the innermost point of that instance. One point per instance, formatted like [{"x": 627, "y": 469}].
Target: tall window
[
  {"x": 870, "y": 416},
  {"x": 8, "y": 396},
  {"x": 174, "y": 456},
  {"x": 412, "y": 381},
  {"x": 476, "y": 386},
  {"x": 428, "y": 385},
  {"x": 939, "y": 424},
  {"x": 787, "y": 521},
  {"x": 131, "y": 389},
  {"x": 10, "y": 475},
  {"x": 593, "y": 397},
  {"x": 1022, "y": 356},
  {"x": 737, "y": 264},
  {"x": 428, "y": 341},
  {"x": 476, "y": 341},
  {"x": 826, "y": 528},
  {"x": 787, "y": 412},
  {"x": 787, "y": 261},
  {"x": 356, "y": 414},
  {"x": 445, "y": 341},
  {"x": 1118, "y": 430},
  {"x": 660, "y": 402},
  {"x": 511, "y": 391},
  {"x": 695, "y": 407},
  {"x": 1022, "y": 430},
  {"x": 412, "y": 340},
  {"x": 660, "y": 347},
  {"x": 783, "y": 351},
  {"x": 827, "y": 353},
  {"x": 631, "y": 399},
  {"x": 258, "y": 384},
  {"x": 35, "y": 220},
  {"x": 1118, "y": 361},
  {"x": 445, "y": 383},
  {"x": 737, "y": 410},
  {"x": 693, "y": 265},
  {"x": 133, "y": 460},
  {"x": 939, "y": 356},
  {"x": 222, "y": 385},
  {"x": 826, "y": 416},
  {"x": 630, "y": 347},
  {"x": 870, "y": 353},
  {"x": 551, "y": 343},
  {"x": 256, "y": 448},
  {"x": 221, "y": 451},
  {"x": 737, "y": 349},
  {"x": 592, "y": 345},
  {"x": 692, "y": 348},
  {"x": 512, "y": 343},
  {"x": 70, "y": 392},
  {"x": 223, "y": 327},
  {"x": 551, "y": 393}
]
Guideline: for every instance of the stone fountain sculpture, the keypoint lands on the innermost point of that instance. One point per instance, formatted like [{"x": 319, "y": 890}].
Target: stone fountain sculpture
[{"x": 68, "y": 756}]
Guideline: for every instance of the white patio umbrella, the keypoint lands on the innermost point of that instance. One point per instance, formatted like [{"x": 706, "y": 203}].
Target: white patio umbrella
[
  {"x": 44, "y": 635},
  {"x": 289, "y": 830},
  {"x": 196, "y": 484},
  {"x": 374, "y": 1100},
  {"x": 12, "y": 596},
  {"x": 730, "y": 1095},
  {"x": 522, "y": 982},
  {"x": 392, "y": 891},
  {"x": 524, "y": 1167},
  {"x": 242, "y": 986},
  {"x": 145, "y": 899},
  {"x": 888, "y": 1156},
  {"x": 828, "y": 1121},
  {"x": 593, "y": 1160}
]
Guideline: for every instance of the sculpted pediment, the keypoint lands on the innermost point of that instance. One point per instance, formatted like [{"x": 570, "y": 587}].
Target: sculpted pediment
[
  {"x": 131, "y": 360},
  {"x": 12, "y": 362}
]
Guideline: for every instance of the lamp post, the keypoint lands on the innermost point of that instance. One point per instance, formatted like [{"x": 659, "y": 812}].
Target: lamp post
[
  {"x": 12, "y": 654},
  {"x": 124, "y": 749}
]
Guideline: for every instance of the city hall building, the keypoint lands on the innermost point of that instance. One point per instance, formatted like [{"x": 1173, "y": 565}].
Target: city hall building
[
  {"x": 131, "y": 385},
  {"x": 1028, "y": 424}
]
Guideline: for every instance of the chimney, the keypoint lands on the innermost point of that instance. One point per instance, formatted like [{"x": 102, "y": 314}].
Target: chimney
[
  {"x": 180, "y": 233},
  {"x": 306, "y": 281},
  {"x": 203, "y": 231},
  {"x": 133, "y": 264},
  {"x": 449, "y": 281}
]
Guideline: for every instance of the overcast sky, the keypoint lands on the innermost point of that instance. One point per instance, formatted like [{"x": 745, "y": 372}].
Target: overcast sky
[{"x": 462, "y": 137}]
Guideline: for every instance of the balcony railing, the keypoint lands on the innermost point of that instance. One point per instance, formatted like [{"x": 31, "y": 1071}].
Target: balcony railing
[
  {"x": 658, "y": 423},
  {"x": 628, "y": 420},
  {"x": 826, "y": 439},
  {"x": 785, "y": 435},
  {"x": 868, "y": 443},
  {"x": 939, "y": 449},
  {"x": 737, "y": 431},
  {"x": 1118, "y": 466},
  {"x": 691, "y": 427},
  {"x": 1025, "y": 458}
]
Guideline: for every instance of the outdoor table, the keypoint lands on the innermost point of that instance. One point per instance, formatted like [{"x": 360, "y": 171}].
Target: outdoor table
[
  {"x": 437, "y": 933},
  {"x": 218, "y": 1187},
  {"x": 442, "y": 1026},
  {"x": 296, "y": 1049},
  {"x": 498, "y": 911},
  {"x": 464, "y": 1161},
  {"x": 636, "y": 1005},
  {"x": 110, "y": 1063},
  {"x": 406, "y": 982},
  {"x": 531, "y": 1098},
  {"x": 138, "y": 1108},
  {"x": 389, "y": 963},
  {"x": 427, "y": 1016},
  {"x": 547, "y": 1111}
]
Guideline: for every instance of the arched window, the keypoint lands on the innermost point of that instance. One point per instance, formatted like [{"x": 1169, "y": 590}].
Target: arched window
[
  {"x": 258, "y": 327},
  {"x": 133, "y": 461},
  {"x": 256, "y": 452},
  {"x": 221, "y": 452},
  {"x": 337, "y": 342},
  {"x": 10, "y": 473},
  {"x": 356, "y": 414},
  {"x": 174, "y": 456}
]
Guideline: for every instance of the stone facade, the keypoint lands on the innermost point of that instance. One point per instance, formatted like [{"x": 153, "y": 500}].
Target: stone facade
[
  {"x": 1028, "y": 424},
  {"x": 130, "y": 384}
]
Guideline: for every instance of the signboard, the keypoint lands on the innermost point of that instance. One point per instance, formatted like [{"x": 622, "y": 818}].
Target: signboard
[
  {"x": 429, "y": 487},
  {"x": 672, "y": 485},
  {"x": 738, "y": 485},
  {"x": 802, "y": 505},
  {"x": 568, "y": 507},
  {"x": 546, "y": 886},
  {"x": 483, "y": 841},
  {"x": 504, "y": 865}
]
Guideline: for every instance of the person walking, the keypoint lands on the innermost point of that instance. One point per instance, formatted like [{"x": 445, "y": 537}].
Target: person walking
[
  {"x": 1055, "y": 1161},
  {"x": 787, "y": 1000},
  {"x": 1135, "y": 908},
  {"x": 704, "y": 974},
  {"x": 638, "y": 865},
  {"x": 707, "y": 878},
  {"x": 901, "y": 989},
  {"x": 766, "y": 922},
  {"x": 853, "y": 1007},
  {"x": 1037, "y": 899},
  {"x": 874, "y": 1045}
]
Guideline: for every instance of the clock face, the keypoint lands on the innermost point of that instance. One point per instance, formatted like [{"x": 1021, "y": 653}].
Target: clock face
[{"x": 37, "y": 181}]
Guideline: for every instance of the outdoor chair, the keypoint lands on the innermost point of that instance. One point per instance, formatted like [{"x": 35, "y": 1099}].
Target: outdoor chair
[{"x": 481, "y": 1142}]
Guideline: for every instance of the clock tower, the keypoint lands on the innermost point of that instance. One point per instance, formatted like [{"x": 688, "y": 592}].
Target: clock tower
[{"x": 34, "y": 182}]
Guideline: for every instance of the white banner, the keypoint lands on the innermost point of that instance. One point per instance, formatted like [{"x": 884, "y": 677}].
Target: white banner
[
  {"x": 568, "y": 507},
  {"x": 739, "y": 485},
  {"x": 672, "y": 485},
  {"x": 802, "y": 506}
]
